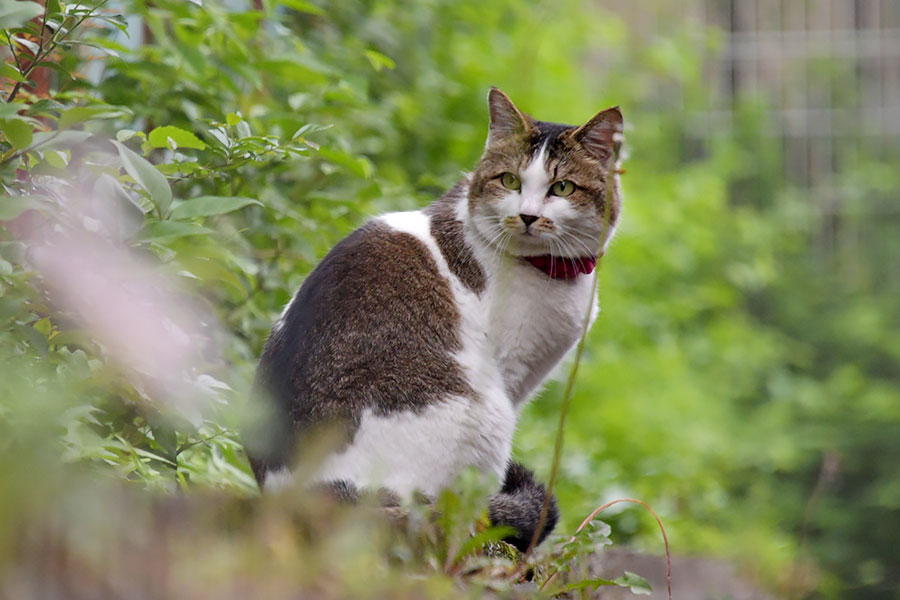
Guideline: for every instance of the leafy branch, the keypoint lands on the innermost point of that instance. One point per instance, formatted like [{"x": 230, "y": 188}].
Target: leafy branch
[
  {"x": 603, "y": 507},
  {"x": 44, "y": 49}
]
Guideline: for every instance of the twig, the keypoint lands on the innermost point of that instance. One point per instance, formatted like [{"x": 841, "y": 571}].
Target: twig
[
  {"x": 188, "y": 445},
  {"x": 13, "y": 51},
  {"x": 827, "y": 472},
  {"x": 43, "y": 26}
]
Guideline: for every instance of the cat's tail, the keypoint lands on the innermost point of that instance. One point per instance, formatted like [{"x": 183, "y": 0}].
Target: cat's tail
[{"x": 518, "y": 505}]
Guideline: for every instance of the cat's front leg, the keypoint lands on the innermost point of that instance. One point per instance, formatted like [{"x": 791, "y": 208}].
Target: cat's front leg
[{"x": 518, "y": 505}]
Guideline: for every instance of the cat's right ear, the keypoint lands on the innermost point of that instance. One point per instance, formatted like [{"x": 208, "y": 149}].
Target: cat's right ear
[
  {"x": 506, "y": 119},
  {"x": 602, "y": 135}
]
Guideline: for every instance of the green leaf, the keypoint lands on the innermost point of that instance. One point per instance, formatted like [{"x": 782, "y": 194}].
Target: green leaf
[
  {"x": 70, "y": 117},
  {"x": 9, "y": 110},
  {"x": 14, "y": 252},
  {"x": 59, "y": 139},
  {"x": 379, "y": 61},
  {"x": 13, "y": 206},
  {"x": 233, "y": 119},
  {"x": 118, "y": 21},
  {"x": 82, "y": 113},
  {"x": 31, "y": 46},
  {"x": 53, "y": 7},
  {"x": 30, "y": 28},
  {"x": 56, "y": 158},
  {"x": 146, "y": 176},
  {"x": 73, "y": 337},
  {"x": 358, "y": 165},
  {"x": 308, "y": 128},
  {"x": 10, "y": 308},
  {"x": 44, "y": 326},
  {"x": 203, "y": 206},
  {"x": 17, "y": 132},
  {"x": 90, "y": 44},
  {"x": 209, "y": 270},
  {"x": 10, "y": 72},
  {"x": 153, "y": 456},
  {"x": 14, "y": 14},
  {"x": 303, "y": 6},
  {"x": 111, "y": 198},
  {"x": 165, "y": 437},
  {"x": 56, "y": 67},
  {"x": 44, "y": 106},
  {"x": 123, "y": 135},
  {"x": 35, "y": 339},
  {"x": 636, "y": 583},
  {"x": 159, "y": 138},
  {"x": 110, "y": 44},
  {"x": 588, "y": 583},
  {"x": 166, "y": 231}
]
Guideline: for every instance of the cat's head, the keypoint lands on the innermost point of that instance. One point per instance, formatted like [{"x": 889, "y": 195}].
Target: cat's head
[{"x": 545, "y": 188}]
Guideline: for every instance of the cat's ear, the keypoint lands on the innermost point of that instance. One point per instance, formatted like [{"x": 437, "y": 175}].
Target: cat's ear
[
  {"x": 506, "y": 119},
  {"x": 602, "y": 135}
]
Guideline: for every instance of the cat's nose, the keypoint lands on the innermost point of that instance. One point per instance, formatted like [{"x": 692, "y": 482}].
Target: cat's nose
[{"x": 527, "y": 219}]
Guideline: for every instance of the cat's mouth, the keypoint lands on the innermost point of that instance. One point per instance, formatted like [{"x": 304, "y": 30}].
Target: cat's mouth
[{"x": 563, "y": 267}]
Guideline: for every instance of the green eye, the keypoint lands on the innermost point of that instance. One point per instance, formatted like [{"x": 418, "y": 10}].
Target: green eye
[
  {"x": 562, "y": 188},
  {"x": 510, "y": 181}
]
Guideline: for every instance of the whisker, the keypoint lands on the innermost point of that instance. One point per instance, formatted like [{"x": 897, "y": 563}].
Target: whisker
[
  {"x": 496, "y": 236},
  {"x": 502, "y": 238},
  {"x": 565, "y": 249},
  {"x": 553, "y": 254},
  {"x": 573, "y": 237},
  {"x": 504, "y": 244}
]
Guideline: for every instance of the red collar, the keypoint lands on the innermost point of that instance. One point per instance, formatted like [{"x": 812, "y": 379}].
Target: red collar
[{"x": 558, "y": 267}]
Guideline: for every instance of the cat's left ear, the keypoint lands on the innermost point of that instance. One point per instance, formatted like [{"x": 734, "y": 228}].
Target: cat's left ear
[
  {"x": 506, "y": 119},
  {"x": 602, "y": 135}
]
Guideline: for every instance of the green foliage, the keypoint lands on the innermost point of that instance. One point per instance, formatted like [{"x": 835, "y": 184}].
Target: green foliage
[{"x": 740, "y": 378}]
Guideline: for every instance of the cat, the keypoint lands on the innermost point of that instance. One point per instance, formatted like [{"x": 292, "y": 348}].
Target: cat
[{"x": 422, "y": 334}]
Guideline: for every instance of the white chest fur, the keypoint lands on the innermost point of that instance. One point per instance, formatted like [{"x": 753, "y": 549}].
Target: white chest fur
[{"x": 534, "y": 321}]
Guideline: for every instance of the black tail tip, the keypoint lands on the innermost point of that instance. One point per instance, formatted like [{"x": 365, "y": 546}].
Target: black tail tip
[{"x": 519, "y": 504}]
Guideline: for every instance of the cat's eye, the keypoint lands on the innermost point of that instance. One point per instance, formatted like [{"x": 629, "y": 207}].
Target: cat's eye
[
  {"x": 511, "y": 181},
  {"x": 562, "y": 188}
]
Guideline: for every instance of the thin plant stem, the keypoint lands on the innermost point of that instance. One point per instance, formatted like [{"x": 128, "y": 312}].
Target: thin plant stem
[
  {"x": 12, "y": 50},
  {"x": 560, "y": 429},
  {"x": 573, "y": 372}
]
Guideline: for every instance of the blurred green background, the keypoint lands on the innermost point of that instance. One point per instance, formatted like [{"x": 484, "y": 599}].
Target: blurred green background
[{"x": 743, "y": 374}]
